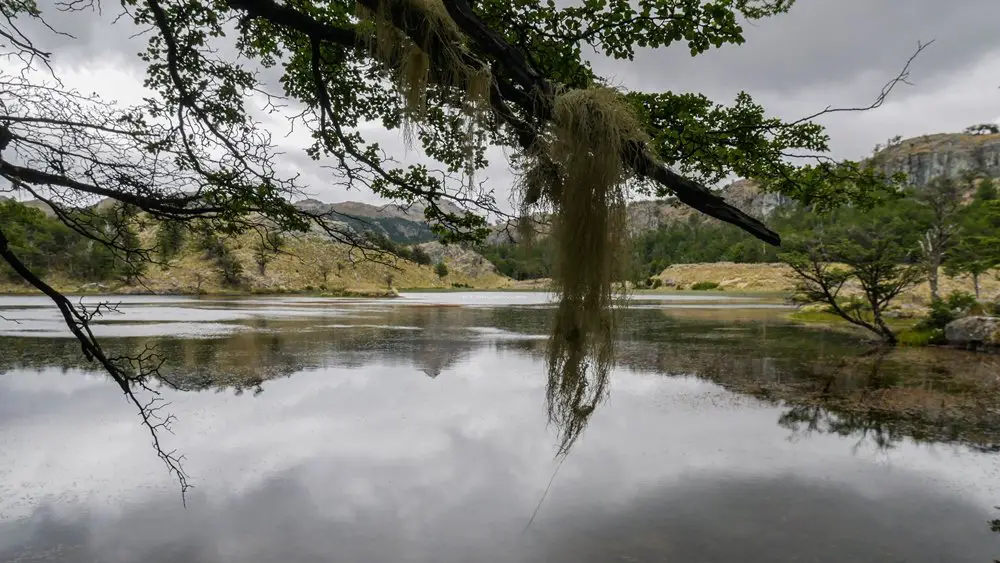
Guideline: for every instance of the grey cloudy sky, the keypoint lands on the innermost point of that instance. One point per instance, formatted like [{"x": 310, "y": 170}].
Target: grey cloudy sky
[{"x": 824, "y": 52}]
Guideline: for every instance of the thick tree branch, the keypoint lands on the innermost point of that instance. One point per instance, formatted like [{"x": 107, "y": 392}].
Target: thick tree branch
[{"x": 530, "y": 92}]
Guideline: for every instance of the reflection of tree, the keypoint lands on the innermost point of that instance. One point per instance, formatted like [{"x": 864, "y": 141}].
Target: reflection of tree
[
  {"x": 873, "y": 425},
  {"x": 818, "y": 377},
  {"x": 432, "y": 340},
  {"x": 995, "y": 526},
  {"x": 826, "y": 385},
  {"x": 571, "y": 396}
]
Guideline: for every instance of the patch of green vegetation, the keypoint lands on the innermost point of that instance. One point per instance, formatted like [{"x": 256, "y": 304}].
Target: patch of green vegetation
[
  {"x": 818, "y": 316},
  {"x": 705, "y": 286},
  {"x": 920, "y": 337}
]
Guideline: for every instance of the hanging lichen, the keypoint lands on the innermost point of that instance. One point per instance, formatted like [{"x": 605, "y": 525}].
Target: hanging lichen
[
  {"x": 459, "y": 77},
  {"x": 577, "y": 169}
]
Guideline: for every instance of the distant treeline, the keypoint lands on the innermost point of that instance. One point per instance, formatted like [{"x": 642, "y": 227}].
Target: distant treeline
[
  {"x": 702, "y": 240},
  {"x": 47, "y": 245}
]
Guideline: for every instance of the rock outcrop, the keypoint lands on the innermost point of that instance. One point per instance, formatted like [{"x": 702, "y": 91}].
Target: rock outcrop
[
  {"x": 747, "y": 197},
  {"x": 974, "y": 333},
  {"x": 461, "y": 260},
  {"x": 950, "y": 155}
]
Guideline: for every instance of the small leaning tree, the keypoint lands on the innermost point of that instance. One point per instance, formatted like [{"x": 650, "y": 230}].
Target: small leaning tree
[{"x": 869, "y": 256}]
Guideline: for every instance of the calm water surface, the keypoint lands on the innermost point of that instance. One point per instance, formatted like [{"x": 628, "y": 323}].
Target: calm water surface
[{"x": 415, "y": 429}]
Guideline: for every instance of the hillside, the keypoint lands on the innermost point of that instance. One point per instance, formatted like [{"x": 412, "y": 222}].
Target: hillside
[
  {"x": 307, "y": 264},
  {"x": 310, "y": 263},
  {"x": 205, "y": 262},
  {"x": 402, "y": 225}
]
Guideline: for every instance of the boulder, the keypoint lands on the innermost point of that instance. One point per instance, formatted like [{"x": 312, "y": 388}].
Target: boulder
[{"x": 975, "y": 333}]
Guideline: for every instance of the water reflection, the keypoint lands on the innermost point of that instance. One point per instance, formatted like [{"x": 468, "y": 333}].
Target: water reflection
[
  {"x": 826, "y": 381},
  {"x": 721, "y": 519},
  {"x": 417, "y": 433}
]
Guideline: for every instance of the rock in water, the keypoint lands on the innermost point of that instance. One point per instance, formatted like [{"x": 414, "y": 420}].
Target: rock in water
[{"x": 974, "y": 333}]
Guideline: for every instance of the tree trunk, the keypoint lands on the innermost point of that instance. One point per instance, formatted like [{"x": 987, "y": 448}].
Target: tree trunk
[
  {"x": 888, "y": 336},
  {"x": 932, "y": 280},
  {"x": 975, "y": 284}
]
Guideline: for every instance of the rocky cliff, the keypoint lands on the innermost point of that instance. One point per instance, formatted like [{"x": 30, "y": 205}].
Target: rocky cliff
[
  {"x": 921, "y": 158},
  {"x": 944, "y": 154}
]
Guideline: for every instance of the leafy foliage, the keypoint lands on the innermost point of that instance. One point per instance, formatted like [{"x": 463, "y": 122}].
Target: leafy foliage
[
  {"x": 978, "y": 247},
  {"x": 170, "y": 237},
  {"x": 47, "y": 245},
  {"x": 956, "y": 305},
  {"x": 521, "y": 261},
  {"x": 873, "y": 250},
  {"x": 420, "y": 256}
]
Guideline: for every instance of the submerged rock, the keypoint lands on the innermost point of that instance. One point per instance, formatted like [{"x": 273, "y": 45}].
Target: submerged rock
[{"x": 975, "y": 333}]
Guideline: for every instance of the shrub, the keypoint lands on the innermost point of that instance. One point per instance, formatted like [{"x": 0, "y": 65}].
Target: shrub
[
  {"x": 441, "y": 269},
  {"x": 704, "y": 285},
  {"x": 420, "y": 256},
  {"x": 956, "y": 305}
]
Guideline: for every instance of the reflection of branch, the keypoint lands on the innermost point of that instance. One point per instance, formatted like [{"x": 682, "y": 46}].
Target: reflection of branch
[
  {"x": 126, "y": 371},
  {"x": 545, "y": 493}
]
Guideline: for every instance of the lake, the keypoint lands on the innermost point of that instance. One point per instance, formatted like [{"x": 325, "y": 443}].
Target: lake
[{"x": 417, "y": 429}]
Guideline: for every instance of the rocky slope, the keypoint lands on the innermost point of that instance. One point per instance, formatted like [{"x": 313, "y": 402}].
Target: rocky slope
[
  {"x": 403, "y": 225},
  {"x": 921, "y": 158},
  {"x": 652, "y": 214},
  {"x": 461, "y": 260},
  {"x": 944, "y": 154}
]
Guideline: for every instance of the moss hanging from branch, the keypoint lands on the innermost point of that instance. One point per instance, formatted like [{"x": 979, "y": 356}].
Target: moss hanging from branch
[
  {"x": 409, "y": 65},
  {"x": 578, "y": 171}
]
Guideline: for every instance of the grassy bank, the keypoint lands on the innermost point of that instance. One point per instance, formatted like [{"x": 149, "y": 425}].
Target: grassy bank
[
  {"x": 907, "y": 330},
  {"x": 779, "y": 279}
]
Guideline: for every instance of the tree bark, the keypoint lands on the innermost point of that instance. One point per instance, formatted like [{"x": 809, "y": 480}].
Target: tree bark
[{"x": 932, "y": 280}]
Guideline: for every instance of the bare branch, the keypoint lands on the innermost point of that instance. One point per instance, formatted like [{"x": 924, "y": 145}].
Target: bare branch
[{"x": 125, "y": 371}]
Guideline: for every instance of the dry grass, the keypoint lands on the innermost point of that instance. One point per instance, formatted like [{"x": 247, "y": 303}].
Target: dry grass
[
  {"x": 300, "y": 269},
  {"x": 779, "y": 278}
]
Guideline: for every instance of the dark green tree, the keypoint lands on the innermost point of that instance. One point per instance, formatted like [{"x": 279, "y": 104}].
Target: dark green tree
[
  {"x": 978, "y": 248},
  {"x": 170, "y": 236},
  {"x": 986, "y": 190},
  {"x": 441, "y": 269},
  {"x": 868, "y": 250},
  {"x": 266, "y": 246},
  {"x": 420, "y": 256},
  {"x": 938, "y": 210}
]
